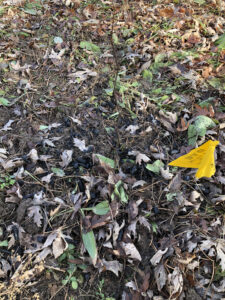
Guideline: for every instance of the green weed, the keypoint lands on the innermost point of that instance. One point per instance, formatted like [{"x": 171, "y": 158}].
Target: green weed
[{"x": 6, "y": 181}]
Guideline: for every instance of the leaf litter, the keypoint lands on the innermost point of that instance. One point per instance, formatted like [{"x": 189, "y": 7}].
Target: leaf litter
[{"x": 95, "y": 101}]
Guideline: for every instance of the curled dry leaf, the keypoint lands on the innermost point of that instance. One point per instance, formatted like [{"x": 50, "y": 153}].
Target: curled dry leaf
[
  {"x": 113, "y": 266},
  {"x": 47, "y": 178},
  {"x": 80, "y": 144},
  {"x": 3, "y": 151},
  {"x": 131, "y": 251},
  {"x": 160, "y": 276},
  {"x": 138, "y": 183},
  {"x": 132, "y": 128},
  {"x": 7, "y": 126},
  {"x": 132, "y": 285},
  {"x": 166, "y": 174},
  {"x": 35, "y": 212},
  {"x": 157, "y": 257},
  {"x": 66, "y": 158},
  {"x": 33, "y": 155},
  {"x": 175, "y": 283},
  {"x": 59, "y": 245},
  {"x": 183, "y": 125}
]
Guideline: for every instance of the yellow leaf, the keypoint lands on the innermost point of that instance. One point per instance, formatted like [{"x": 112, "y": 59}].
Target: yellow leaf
[{"x": 201, "y": 158}]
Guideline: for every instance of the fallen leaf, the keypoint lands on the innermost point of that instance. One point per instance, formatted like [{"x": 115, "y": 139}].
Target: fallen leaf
[
  {"x": 80, "y": 144},
  {"x": 183, "y": 125},
  {"x": 90, "y": 245},
  {"x": 166, "y": 174},
  {"x": 113, "y": 266},
  {"x": 131, "y": 251},
  {"x": 35, "y": 212},
  {"x": 59, "y": 244},
  {"x": 132, "y": 128},
  {"x": 157, "y": 257},
  {"x": 66, "y": 158},
  {"x": 33, "y": 155},
  {"x": 47, "y": 178},
  {"x": 7, "y": 126},
  {"x": 155, "y": 167},
  {"x": 160, "y": 276},
  {"x": 175, "y": 283}
]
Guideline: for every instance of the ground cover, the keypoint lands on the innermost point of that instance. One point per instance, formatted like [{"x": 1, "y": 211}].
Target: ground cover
[{"x": 96, "y": 99}]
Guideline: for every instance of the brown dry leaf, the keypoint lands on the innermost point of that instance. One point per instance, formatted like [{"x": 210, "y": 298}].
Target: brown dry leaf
[
  {"x": 206, "y": 72},
  {"x": 175, "y": 283},
  {"x": 157, "y": 257},
  {"x": 139, "y": 156},
  {"x": 194, "y": 38},
  {"x": 175, "y": 183},
  {"x": 160, "y": 276},
  {"x": 183, "y": 125},
  {"x": 131, "y": 251},
  {"x": 66, "y": 158},
  {"x": 7, "y": 127},
  {"x": 90, "y": 11},
  {"x": 138, "y": 183},
  {"x": 80, "y": 144},
  {"x": 167, "y": 12},
  {"x": 167, "y": 118},
  {"x": 11, "y": 164},
  {"x": 116, "y": 230},
  {"x": 204, "y": 111},
  {"x": 3, "y": 152},
  {"x": 144, "y": 222},
  {"x": 47, "y": 178},
  {"x": 166, "y": 174},
  {"x": 59, "y": 245},
  {"x": 218, "y": 199},
  {"x": 33, "y": 155},
  {"x": 113, "y": 266},
  {"x": 35, "y": 212},
  {"x": 132, "y": 210}
]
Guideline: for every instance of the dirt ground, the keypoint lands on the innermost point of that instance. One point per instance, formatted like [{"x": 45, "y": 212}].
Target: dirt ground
[{"x": 96, "y": 98}]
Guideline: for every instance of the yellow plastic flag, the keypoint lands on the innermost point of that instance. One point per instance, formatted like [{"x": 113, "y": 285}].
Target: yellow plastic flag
[{"x": 201, "y": 158}]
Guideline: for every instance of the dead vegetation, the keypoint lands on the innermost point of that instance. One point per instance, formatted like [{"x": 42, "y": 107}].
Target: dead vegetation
[{"x": 96, "y": 98}]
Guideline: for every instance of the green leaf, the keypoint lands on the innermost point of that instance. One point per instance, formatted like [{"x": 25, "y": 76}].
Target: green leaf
[
  {"x": 43, "y": 127},
  {"x": 201, "y": 124},
  {"x": 115, "y": 39},
  {"x": 147, "y": 75},
  {"x": 160, "y": 57},
  {"x": 2, "y": 9},
  {"x": 106, "y": 160},
  {"x": 58, "y": 172},
  {"x": 217, "y": 83},
  {"x": 119, "y": 192},
  {"x": 64, "y": 281},
  {"x": 192, "y": 135},
  {"x": 90, "y": 245},
  {"x": 74, "y": 284},
  {"x": 171, "y": 196},
  {"x": 100, "y": 209},
  {"x": 220, "y": 42},
  {"x": 123, "y": 195},
  {"x": 200, "y": 2},
  {"x": 58, "y": 40},
  {"x": 30, "y": 11},
  {"x": 4, "y": 101},
  {"x": 4, "y": 243},
  {"x": 155, "y": 167},
  {"x": 90, "y": 46}
]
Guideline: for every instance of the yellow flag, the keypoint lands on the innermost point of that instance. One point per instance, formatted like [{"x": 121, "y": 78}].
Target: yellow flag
[{"x": 201, "y": 158}]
